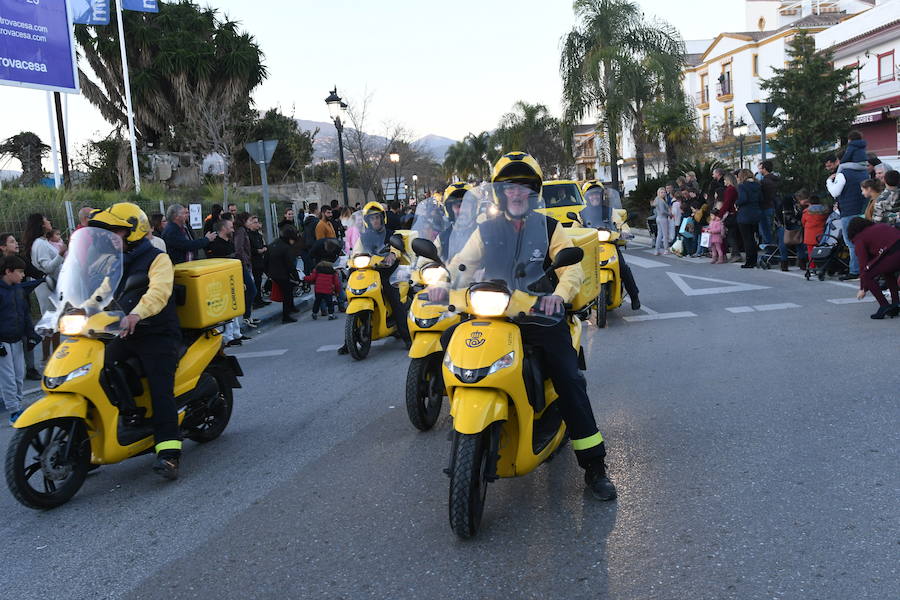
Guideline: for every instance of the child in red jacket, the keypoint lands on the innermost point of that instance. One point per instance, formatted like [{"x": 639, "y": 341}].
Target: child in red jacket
[
  {"x": 813, "y": 219},
  {"x": 327, "y": 286}
]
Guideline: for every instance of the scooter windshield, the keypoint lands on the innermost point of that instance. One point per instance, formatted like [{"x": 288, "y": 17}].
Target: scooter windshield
[
  {"x": 91, "y": 272},
  {"x": 507, "y": 244},
  {"x": 600, "y": 209}
]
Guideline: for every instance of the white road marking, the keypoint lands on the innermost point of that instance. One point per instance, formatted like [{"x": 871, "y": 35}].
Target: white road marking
[
  {"x": 783, "y": 306},
  {"x": 739, "y": 309},
  {"x": 761, "y": 307},
  {"x": 732, "y": 286},
  {"x": 801, "y": 275},
  {"x": 644, "y": 263},
  {"x": 659, "y": 316},
  {"x": 648, "y": 310},
  {"x": 852, "y": 300},
  {"x": 262, "y": 354}
]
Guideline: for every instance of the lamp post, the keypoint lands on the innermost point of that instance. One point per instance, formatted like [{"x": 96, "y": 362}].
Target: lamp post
[
  {"x": 395, "y": 158},
  {"x": 416, "y": 187},
  {"x": 740, "y": 131},
  {"x": 338, "y": 111}
]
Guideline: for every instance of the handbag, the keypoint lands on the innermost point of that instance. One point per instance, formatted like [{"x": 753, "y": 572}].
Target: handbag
[
  {"x": 793, "y": 237},
  {"x": 276, "y": 294},
  {"x": 704, "y": 239}
]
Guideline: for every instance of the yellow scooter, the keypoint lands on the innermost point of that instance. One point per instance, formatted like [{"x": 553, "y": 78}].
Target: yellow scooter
[
  {"x": 369, "y": 317},
  {"x": 505, "y": 418},
  {"x": 87, "y": 414}
]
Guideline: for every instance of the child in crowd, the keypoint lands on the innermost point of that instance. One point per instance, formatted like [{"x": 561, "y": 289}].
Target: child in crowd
[
  {"x": 327, "y": 286},
  {"x": 15, "y": 325},
  {"x": 689, "y": 240},
  {"x": 813, "y": 220},
  {"x": 855, "y": 157},
  {"x": 55, "y": 239},
  {"x": 716, "y": 237}
]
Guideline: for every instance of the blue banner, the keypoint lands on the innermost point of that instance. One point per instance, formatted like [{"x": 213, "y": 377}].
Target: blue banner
[
  {"x": 141, "y": 5},
  {"x": 37, "y": 48},
  {"x": 90, "y": 12}
]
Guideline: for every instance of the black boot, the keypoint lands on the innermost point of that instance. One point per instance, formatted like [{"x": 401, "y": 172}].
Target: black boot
[
  {"x": 597, "y": 481},
  {"x": 886, "y": 310},
  {"x": 784, "y": 265},
  {"x": 635, "y": 303},
  {"x": 166, "y": 465}
]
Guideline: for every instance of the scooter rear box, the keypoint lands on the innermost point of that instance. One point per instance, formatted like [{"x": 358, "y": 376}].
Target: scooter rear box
[
  {"x": 586, "y": 239},
  {"x": 213, "y": 292}
]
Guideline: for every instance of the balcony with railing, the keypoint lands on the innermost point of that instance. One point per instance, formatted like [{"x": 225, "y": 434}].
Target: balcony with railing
[
  {"x": 724, "y": 89},
  {"x": 701, "y": 98}
]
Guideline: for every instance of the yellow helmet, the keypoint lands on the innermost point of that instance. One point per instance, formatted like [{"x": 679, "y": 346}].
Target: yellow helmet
[
  {"x": 123, "y": 215},
  {"x": 457, "y": 190},
  {"x": 589, "y": 185},
  {"x": 371, "y": 209},
  {"x": 519, "y": 167}
]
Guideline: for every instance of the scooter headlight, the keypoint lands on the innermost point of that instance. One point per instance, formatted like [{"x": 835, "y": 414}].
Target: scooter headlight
[
  {"x": 435, "y": 275},
  {"x": 489, "y": 303},
  {"x": 501, "y": 363},
  {"x": 54, "y": 382},
  {"x": 72, "y": 324},
  {"x": 361, "y": 262},
  {"x": 359, "y": 292},
  {"x": 603, "y": 235},
  {"x": 428, "y": 323}
]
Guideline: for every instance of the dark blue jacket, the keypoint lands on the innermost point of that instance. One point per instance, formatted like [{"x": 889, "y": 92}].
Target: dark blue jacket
[
  {"x": 856, "y": 152},
  {"x": 749, "y": 196},
  {"x": 15, "y": 311},
  {"x": 851, "y": 200},
  {"x": 181, "y": 241}
]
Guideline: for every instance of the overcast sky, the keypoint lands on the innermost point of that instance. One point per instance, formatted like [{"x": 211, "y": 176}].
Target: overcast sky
[{"x": 445, "y": 68}]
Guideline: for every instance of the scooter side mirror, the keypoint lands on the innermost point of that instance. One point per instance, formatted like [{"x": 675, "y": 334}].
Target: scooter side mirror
[
  {"x": 425, "y": 249},
  {"x": 568, "y": 257},
  {"x": 573, "y": 216},
  {"x": 396, "y": 242}
]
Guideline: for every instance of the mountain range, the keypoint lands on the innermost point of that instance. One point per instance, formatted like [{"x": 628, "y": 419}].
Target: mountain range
[{"x": 326, "y": 146}]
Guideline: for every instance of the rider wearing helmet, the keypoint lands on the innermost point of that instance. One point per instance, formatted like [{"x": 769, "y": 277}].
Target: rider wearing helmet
[
  {"x": 598, "y": 213},
  {"x": 150, "y": 331},
  {"x": 453, "y": 200},
  {"x": 517, "y": 204},
  {"x": 373, "y": 238}
]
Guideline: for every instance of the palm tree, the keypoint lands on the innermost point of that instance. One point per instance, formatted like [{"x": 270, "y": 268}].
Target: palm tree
[
  {"x": 470, "y": 157},
  {"x": 531, "y": 128},
  {"x": 641, "y": 82},
  {"x": 609, "y": 33},
  {"x": 28, "y": 149},
  {"x": 182, "y": 55},
  {"x": 674, "y": 120}
]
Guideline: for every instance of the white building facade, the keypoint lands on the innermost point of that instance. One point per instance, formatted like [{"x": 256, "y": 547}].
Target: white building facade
[{"x": 724, "y": 74}]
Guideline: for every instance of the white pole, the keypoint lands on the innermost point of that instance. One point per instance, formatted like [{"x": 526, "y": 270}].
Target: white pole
[
  {"x": 134, "y": 156},
  {"x": 54, "y": 150}
]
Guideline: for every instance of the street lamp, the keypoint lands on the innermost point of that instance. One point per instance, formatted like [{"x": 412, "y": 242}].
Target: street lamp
[
  {"x": 740, "y": 131},
  {"x": 395, "y": 158},
  {"x": 416, "y": 187},
  {"x": 338, "y": 111}
]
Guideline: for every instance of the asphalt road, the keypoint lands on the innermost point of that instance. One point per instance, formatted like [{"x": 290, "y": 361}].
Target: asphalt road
[{"x": 753, "y": 436}]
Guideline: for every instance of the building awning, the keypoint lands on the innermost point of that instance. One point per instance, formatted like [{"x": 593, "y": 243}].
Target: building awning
[{"x": 869, "y": 117}]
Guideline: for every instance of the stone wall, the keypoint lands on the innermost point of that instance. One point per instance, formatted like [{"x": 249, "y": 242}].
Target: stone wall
[{"x": 297, "y": 193}]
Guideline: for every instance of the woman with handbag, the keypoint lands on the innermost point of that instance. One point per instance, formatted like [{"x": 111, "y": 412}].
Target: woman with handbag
[
  {"x": 729, "y": 217},
  {"x": 282, "y": 270}
]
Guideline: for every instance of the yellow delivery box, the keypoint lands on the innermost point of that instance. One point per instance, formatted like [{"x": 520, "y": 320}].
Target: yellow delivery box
[
  {"x": 212, "y": 291},
  {"x": 586, "y": 239}
]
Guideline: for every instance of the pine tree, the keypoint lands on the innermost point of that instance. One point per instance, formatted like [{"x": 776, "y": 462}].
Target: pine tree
[{"x": 819, "y": 104}]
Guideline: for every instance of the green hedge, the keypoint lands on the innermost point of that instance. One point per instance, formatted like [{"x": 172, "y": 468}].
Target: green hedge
[{"x": 17, "y": 203}]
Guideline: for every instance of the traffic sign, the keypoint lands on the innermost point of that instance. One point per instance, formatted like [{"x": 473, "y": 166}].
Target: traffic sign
[{"x": 261, "y": 151}]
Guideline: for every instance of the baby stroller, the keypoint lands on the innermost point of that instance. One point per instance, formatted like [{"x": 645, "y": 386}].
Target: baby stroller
[{"x": 830, "y": 255}]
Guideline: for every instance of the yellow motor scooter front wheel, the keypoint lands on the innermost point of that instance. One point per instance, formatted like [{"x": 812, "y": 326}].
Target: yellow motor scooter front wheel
[
  {"x": 46, "y": 463},
  {"x": 469, "y": 476},
  {"x": 424, "y": 391},
  {"x": 358, "y": 334}
]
